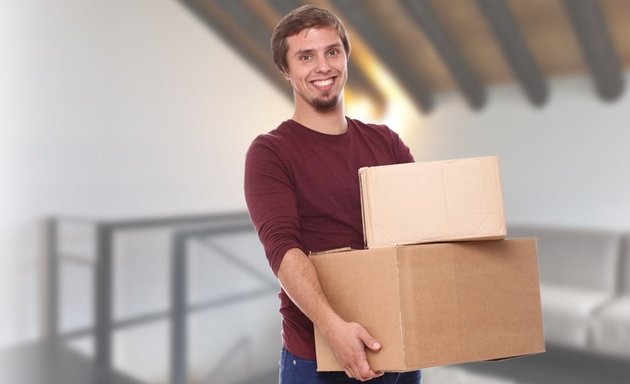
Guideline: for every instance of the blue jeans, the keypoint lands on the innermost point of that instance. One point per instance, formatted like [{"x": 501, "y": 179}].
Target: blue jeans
[{"x": 294, "y": 370}]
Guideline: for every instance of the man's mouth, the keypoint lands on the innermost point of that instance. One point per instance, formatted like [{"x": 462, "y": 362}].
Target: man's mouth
[{"x": 323, "y": 83}]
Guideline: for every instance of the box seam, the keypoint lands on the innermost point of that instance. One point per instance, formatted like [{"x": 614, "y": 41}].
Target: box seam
[
  {"x": 400, "y": 312},
  {"x": 363, "y": 193}
]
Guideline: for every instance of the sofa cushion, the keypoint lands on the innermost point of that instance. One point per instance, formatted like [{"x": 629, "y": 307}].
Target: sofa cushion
[
  {"x": 578, "y": 258},
  {"x": 624, "y": 264},
  {"x": 610, "y": 328},
  {"x": 567, "y": 312}
]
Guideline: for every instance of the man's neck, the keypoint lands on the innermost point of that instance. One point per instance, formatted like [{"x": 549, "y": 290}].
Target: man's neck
[{"x": 332, "y": 122}]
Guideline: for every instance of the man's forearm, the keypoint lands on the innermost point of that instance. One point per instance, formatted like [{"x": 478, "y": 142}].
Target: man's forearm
[
  {"x": 299, "y": 280},
  {"x": 347, "y": 340}
]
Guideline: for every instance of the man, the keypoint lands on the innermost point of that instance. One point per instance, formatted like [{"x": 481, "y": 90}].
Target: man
[{"x": 302, "y": 192}]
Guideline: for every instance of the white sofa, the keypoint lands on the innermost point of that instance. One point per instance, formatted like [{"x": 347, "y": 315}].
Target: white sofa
[
  {"x": 610, "y": 327},
  {"x": 585, "y": 287}
]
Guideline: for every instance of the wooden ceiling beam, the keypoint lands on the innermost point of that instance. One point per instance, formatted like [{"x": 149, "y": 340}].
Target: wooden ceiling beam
[
  {"x": 240, "y": 39},
  {"x": 515, "y": 50},
  {"x": 368, "y": 27},
  {"x": 597, "y": 47},
  {"x": 414, "y": 39},
  {"x": 421, "y": 12},
  {"x": 255, "y": 28}
]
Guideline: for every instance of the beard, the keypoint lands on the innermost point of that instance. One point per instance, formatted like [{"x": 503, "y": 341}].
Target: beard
[{"x": 325, "y": 104}]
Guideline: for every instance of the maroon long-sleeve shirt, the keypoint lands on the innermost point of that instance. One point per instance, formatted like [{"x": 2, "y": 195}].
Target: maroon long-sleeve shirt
[{"x": 302, "y": 191}]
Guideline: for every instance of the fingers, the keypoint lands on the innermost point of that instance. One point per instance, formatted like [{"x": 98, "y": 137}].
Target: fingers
[
  {"x": 361, "y": 371},
  {"x": 350, "y": 351},
  {"x": 366, "y": 372},
  {"x": 369, "y": 341},
  {"x": 356, "y": 373},
  {"x": 363, "y": 376}
]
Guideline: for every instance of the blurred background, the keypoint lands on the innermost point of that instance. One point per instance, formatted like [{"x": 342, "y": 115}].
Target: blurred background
[{"x": 125, "y": 246}]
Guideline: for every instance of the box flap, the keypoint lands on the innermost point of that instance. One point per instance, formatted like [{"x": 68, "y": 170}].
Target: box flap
[
  {"x": 500, "y": 316},
  {"x": 363, "y": 285}
]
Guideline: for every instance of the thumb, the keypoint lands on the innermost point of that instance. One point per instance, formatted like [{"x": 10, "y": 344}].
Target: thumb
[{"x": 369, "y": 341}]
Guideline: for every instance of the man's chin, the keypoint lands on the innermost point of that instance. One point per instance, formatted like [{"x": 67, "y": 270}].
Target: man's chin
[{"x": 325, "y": 105}]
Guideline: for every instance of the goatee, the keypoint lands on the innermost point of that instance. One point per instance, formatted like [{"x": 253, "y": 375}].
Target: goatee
[{"x": 325, "y": 104}]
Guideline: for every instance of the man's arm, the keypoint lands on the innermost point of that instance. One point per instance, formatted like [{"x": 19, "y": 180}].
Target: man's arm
[
  {"x": 272, "y": 205},
  {"x": 347, "y": 340}
]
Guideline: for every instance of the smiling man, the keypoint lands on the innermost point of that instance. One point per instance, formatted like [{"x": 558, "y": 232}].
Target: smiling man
[{"x": 302, "y": 192}]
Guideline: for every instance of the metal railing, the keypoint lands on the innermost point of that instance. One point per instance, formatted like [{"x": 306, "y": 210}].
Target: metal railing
[
  {"x": 199, "y": 228},
  {"x": 180, "y": 306}
]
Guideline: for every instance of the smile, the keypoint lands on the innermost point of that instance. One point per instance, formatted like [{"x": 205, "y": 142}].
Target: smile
[{"x": 323, "y": 83}]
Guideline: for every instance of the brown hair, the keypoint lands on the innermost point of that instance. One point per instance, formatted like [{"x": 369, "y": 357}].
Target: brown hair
[{"x": 306, "y": 16}]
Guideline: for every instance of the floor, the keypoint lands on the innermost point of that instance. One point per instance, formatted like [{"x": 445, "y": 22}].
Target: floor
[
  {"x": 556, "y": 366},
  {"x": 45, "y": 362}
]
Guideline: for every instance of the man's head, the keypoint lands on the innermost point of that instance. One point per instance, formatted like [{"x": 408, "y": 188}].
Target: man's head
[
  {"x": 306, "y": 16},
  {"x": 310, "y": 47}
]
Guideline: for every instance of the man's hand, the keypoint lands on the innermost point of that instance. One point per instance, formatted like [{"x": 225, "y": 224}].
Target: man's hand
[{"x": 348, "y": 342}]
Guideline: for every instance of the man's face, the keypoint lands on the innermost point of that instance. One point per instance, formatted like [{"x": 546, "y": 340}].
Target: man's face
[{"x": 316, "y": 64}]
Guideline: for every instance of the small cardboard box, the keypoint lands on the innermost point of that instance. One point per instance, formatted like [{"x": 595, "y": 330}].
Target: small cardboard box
[
  {"x": 436, "y": 304},
  {"x": 437, "y": 201}
]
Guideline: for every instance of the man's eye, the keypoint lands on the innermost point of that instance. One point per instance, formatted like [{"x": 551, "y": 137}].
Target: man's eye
[
  {"x": 333, "y": 52},
  {"x": 304, "y": 58}
]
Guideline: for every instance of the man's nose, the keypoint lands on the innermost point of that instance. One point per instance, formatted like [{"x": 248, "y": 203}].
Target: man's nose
[{"x": 322, "y": 64}]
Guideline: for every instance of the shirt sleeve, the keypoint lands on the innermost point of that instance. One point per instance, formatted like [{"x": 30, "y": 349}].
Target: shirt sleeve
[
  {"x": 271, "y": 201},
  {"x": 401, "y": 151}
]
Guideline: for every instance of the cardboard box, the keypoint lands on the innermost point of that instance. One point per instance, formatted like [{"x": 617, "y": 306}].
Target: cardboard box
[
  {"x": 437, "y": 304},
  {"x": 438, "y": 201}
]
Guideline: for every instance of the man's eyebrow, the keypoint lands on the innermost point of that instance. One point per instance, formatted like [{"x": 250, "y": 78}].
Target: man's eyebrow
[
  {"x": 311, "y": 50},
  {"x": 303, "y": 51}
]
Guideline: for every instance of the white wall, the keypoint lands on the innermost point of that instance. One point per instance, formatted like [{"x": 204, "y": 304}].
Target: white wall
[
  {"x": 564, "y": 164},
  {"x": 114, "y": 108}
]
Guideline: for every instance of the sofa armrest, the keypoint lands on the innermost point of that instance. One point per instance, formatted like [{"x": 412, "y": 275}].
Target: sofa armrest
[{"x": 567, "y": 313}]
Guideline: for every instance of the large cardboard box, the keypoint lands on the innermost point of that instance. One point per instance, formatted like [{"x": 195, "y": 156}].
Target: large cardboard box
[
  {"x": 436, "y": 304},
  {"x": 437, "y": 201}
]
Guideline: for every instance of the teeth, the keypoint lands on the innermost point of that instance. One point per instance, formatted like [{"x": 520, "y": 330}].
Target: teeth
[{"x": 323, "y": 83}]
